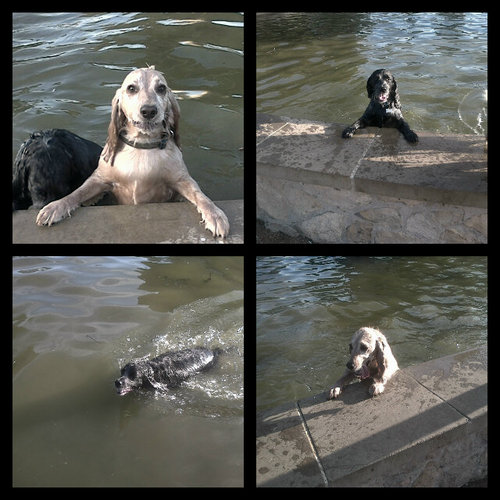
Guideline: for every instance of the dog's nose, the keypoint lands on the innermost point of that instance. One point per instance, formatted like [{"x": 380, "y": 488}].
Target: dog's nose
[{"x": 148, "y": 111}]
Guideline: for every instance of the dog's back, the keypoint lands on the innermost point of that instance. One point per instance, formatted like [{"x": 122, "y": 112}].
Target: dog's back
[
  {"x": 165, "y": 371},
  {"x": 51, "y": 164},
  {"x": 172, "y": 368}
]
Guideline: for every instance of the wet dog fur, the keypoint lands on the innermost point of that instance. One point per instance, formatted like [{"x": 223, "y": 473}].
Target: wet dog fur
[{"x": 165, "y": 371}]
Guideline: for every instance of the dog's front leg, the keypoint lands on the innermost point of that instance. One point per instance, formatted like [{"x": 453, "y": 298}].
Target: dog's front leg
[
  {"x": 214, "y": 218},
  {"x": 58, "y": 210},
  {"x": 341, "y": 383}
]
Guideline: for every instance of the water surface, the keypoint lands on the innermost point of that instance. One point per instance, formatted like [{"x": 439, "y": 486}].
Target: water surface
[
  {"x": 309, "y": 307},
  {"x": 315, "y": 65},
  {"x": 67, "y": 67},
  {"x": 76, "y": 321}
]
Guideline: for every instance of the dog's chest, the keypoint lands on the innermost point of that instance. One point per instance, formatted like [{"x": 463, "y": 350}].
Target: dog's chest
[
  {"x": 390, "y": 115},
  {"x": 144, "y": 176}
]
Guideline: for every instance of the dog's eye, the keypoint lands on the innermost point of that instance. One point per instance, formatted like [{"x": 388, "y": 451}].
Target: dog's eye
[
  {"x": 131, "y": 89},
  {"x": 363, "y": 348},
  {"x": 161, "y": 89}
]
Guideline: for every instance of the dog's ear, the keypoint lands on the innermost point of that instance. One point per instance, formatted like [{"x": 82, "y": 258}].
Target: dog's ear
[
  {"x": 369, "y": 87},
  {"x": 116, "y": 123},
  {"x": 395, "y": 94},
  {"x": 174, "y": 117},
  {"x": 380, "y": 356}
]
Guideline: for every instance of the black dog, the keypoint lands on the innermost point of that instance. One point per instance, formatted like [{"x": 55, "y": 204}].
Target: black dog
[
  {"x": 165, "y": 371},
  {"x": 384, "y": 109},
  {"x": 51, "y": 164}
]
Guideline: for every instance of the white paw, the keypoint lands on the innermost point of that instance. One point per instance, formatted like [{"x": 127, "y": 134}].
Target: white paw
[
  {"x": 216, "y": 221},
  {"x": 53, "y": 212},
  {"x": 376, "y": 388},
  {"x": 335, "y": 392}
]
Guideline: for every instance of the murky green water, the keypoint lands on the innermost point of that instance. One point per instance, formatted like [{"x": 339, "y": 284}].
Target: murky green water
[
  {"x": 315, "y": 65},
  {"x": 309, "y": 307},
  {"x": 77, "y": 320},
  {"x": 67, "y": 67}
]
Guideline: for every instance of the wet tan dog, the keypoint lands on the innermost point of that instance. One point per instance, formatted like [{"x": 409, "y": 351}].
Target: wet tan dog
[
  {"x": 141, "y": 161},
  {"x": 371, "y": 356}
]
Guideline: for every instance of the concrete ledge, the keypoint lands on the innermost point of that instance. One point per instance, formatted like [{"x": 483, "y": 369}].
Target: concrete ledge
[
  {"x": 372, "y": 188},
  {"x": 429, "y": 428},
  {"x": 149, "y": 223},
  {"x": 448, "y": 169}
]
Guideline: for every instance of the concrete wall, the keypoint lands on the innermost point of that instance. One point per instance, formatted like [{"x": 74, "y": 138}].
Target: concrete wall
[
  {"x": 148, "y": 223},
  {"x": 429, "y": 428},
  {"x": 372, "y": 188}
]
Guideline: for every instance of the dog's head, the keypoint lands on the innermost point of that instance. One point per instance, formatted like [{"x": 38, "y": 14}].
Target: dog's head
[
  {"x": 143, "y": 105},
  {"x": 128, "y": 380},
  {"x": 382, "y": 88},
  {"x": 367, "y": 352}
]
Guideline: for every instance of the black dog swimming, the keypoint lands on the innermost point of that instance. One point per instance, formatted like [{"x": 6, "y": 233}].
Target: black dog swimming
[
  {"x": 51, "y": 164},
  {"x": 165, "y": 371}
]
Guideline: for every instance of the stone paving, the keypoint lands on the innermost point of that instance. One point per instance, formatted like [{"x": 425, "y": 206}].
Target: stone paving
[{"x": 429, "y": 428}]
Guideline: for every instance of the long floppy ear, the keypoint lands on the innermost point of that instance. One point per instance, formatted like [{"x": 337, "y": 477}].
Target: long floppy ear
[
  {"x": 394, "y": 97},
  {"x": 174, "y": 115},
  {"x": 115, "y": 125},
  {"x": 380, "y": 356},
  {"x": 369, "y": 87}
]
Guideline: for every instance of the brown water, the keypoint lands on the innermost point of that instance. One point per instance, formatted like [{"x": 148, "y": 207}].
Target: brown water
[
  {"x": 309, "y": 307},
  {"x": 67, "y": 67},
  {"x": 315, "y": 65},
  {"x": 77, "y": 320}
]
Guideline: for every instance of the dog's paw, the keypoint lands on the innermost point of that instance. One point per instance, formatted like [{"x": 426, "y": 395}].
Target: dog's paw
[
  {"x": 215, "y": 221},
  {"x": 410, "y": 136},
  {"x": 376, "y": 388},
  {"x": 347, "y": 133},
  {"x": 335, "y": 392},
  {"x": 53, "y": 212}
]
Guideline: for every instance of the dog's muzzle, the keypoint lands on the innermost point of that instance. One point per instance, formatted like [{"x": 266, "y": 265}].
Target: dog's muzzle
[
  {"x": 121, "y": 386},
  {"x": 363, "y": 372}
]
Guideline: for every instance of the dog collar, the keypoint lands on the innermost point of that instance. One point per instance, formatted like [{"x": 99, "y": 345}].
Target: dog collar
[{"x": 162, "y": 143}]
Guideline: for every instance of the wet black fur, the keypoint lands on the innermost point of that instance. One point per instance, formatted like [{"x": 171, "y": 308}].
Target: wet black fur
[{"x": 167, "y": 370}]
